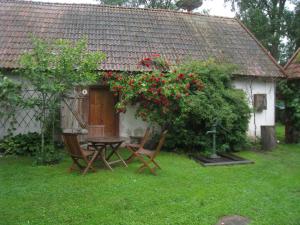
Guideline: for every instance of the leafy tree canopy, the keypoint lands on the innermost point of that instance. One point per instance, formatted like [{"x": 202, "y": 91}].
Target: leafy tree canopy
[
  {"x": 271, "y": 21},
  {"x": 156, "y": 4},
  {"x": 53, "y": 69},
  {"x": 162, "y": 4}
]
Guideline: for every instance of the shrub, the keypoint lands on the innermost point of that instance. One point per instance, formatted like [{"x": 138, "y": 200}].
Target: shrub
[
  {"x": 158, "y": 94},
  {"x": 29, "y": 145},
  {"x": 21, "y": 144},
  {"x": 187, "y": 100},
  {"x": 52, "y": 155},
  {"x": 217, "y": 103},
  {"x": 10, "y": 100}
]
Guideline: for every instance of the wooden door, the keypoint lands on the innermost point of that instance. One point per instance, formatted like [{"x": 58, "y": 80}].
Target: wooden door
[{"x": 102, "y": 112}]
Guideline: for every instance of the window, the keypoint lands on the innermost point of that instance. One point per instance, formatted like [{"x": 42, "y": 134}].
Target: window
[{"x": 260, "y": 102}]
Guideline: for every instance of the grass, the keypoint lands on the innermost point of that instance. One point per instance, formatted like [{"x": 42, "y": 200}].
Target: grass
[{"x": 267, "y": 192}]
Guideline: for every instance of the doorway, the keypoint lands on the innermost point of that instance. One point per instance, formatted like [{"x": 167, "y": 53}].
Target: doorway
[{"x": 102, "y": 111}]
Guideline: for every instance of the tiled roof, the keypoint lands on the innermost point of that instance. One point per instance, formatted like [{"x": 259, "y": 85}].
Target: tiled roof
[
  {"x": 292, "y": 68},
  {"x": 127, "y": 35}
]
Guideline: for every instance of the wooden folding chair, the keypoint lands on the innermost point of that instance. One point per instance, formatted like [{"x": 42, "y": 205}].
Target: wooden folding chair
[
  {"x": 78, "y": 153},
  {"x": 147, "y": 157},
  {"x": 132, "y": 147}
]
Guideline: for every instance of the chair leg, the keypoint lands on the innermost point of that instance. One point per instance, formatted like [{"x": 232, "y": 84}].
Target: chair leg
[
  {"x": 89, "y": 165},
  {"x": 152, "y": 170},
  {"x": 141, "y": 168},
  {"x": 145, "y": 165},
  {"x": 71, "y": 167},
  {"x": 130, "y": 158},
  {"x": 155, "y": 163},
  {"x": 76, "y": 162}
]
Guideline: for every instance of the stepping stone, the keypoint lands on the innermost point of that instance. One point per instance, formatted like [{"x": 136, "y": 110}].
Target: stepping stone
[{"x": 233, "y": 220}]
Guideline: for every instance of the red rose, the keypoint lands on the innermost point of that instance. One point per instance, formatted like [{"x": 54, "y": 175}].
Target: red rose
[{"x": 181, "y": 76}]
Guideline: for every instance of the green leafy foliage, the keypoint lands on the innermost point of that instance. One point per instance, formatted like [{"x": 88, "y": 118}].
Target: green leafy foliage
[
  {"x": 217, "y": 102},
  {"x": 290, "y": 93},
  {"x": 271, "y": 21},
  {"x": 51, "y": 155},
  {"x": 10, "y": 100},
  {"x": 293, "y": 31},
  {"x": 59, "y": 66},
  {"x": 187, "y": 100},
  {"x": 21, "y": 144},
  {"x": 54, "y": 69},
  {"x": 29, "y": 145},
  {"x": 156, "y": 4},
  {"x": 157, "y": 94}
]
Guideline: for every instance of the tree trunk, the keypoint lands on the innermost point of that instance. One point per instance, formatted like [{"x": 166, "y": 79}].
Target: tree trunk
[{"x": 291, "y": 134}]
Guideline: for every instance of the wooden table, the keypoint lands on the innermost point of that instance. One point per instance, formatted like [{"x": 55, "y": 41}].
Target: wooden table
[{"x": 101, "y": 144}]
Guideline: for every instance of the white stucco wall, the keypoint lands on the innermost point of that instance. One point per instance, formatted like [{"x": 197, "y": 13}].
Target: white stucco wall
[
  {"x": 25, "y": 118},
  {"x": 259, "y": 86},
  {"x": 129, "y": 125}
]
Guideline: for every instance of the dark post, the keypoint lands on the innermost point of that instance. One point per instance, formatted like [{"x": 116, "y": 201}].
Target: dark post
[{"x": 268, "y": 137}]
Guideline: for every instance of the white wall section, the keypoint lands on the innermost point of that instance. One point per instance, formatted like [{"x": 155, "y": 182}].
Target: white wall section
[{"x": 258, "y": 86}]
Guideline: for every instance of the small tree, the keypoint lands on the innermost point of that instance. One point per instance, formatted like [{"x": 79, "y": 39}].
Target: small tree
[{"x": 54, "y": 68}]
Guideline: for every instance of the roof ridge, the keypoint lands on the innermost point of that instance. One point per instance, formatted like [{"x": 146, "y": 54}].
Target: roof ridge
[{"x": 117, "y": 7}]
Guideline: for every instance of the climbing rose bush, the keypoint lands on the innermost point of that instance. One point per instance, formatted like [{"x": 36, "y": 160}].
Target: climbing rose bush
[
  {"x": 187, "y": 100},
  {"x": 158, "y": 94}
]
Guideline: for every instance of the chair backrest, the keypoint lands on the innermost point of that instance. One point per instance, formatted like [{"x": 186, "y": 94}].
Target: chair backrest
[
  {"x": 72, "y": 144},
  {"x": 96, "y": 131},
  {"x": 160, "y": 143},
  {"x": 145, "y": 138}
]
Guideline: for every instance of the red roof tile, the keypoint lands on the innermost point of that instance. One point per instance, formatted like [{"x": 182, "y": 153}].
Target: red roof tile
[
  {"x": 292, "y": 68},
  {"x": 127, "y": 35}
]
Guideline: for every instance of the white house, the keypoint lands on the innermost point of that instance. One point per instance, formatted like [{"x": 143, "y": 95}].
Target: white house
[{"x": 127, "y": 35}]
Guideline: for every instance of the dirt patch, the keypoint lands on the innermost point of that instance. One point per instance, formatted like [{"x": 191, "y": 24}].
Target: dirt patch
[{"x": 233, "y": 220}]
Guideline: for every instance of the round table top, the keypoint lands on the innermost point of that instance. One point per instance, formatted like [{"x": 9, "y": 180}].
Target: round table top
[{"x": 106, "y": 140}]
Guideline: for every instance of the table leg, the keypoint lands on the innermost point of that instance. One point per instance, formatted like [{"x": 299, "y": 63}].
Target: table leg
[
  {"x": 103, "y": 158},
  {"x": 120, "y": 157},
  {"x": 115, "y": 151}
]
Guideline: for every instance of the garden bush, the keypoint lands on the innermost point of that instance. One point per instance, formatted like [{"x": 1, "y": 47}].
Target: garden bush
[
  {"x": 29, "y": 145},
  {"x": 21, "y": 144},
  {"x": 187, "y": 100},
  {"x": 218, "y": 103}
]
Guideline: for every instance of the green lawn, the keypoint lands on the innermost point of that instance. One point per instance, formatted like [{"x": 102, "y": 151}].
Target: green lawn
[{"x": 267, "y": 192}]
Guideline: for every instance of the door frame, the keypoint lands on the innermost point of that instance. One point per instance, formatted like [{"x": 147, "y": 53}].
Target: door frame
[{"x": 105, "y": 87}]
